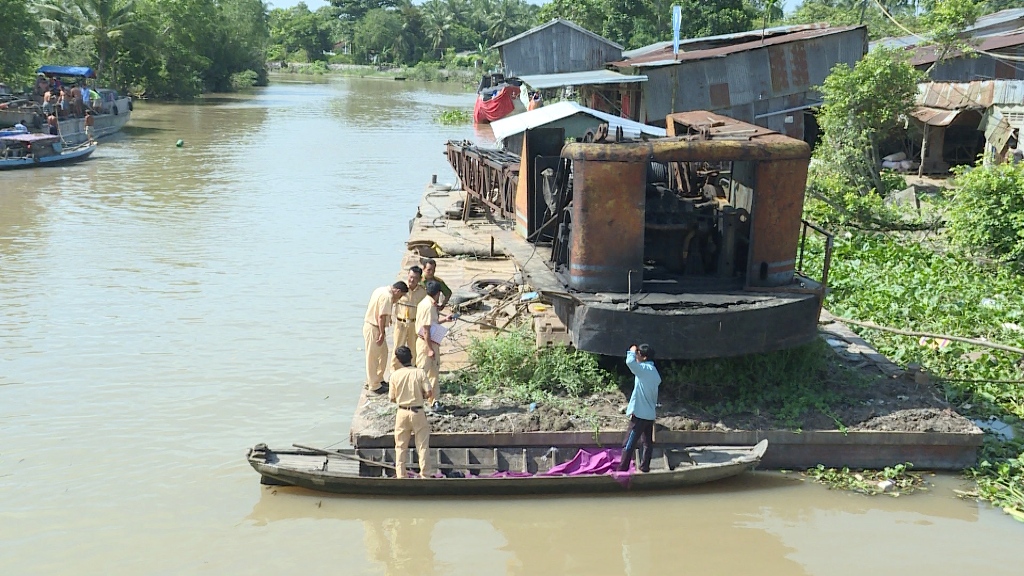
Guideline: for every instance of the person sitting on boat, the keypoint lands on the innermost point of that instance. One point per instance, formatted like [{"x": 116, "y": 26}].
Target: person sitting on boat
[
  {"x": 54, "y": 127},
  {"x": 642, "y": 404},
  {"x": 410, "y": 389},
  {"x": 20, "y": 127}
]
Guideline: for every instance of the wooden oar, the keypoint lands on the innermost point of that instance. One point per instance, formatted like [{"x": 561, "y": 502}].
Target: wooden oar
[{"x": 351, "y": 457}]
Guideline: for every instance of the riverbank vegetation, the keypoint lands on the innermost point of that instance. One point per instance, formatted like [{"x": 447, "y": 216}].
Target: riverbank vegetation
[
  {"x": 180, "y": 48},
  {"x": 951, "y": 262}
]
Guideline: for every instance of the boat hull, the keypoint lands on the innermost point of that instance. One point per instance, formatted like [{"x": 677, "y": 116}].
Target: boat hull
[
  {"x": 314, "y": 471},
  {"x": 63, "y": 159},
  {"x": 72, "y": 129}
]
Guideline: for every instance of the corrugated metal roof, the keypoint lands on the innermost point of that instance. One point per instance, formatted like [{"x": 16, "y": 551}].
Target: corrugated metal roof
[
  {"x": 733, "y": 38},
  {"x": 542, "y": 81},
  {"x": 552, "y": 23},
  {"x": 977, "y": 94},
  {"x": 512, "y": 125},
  {"x": 935, "y": 116},
  {"x": 977, "y": 30},
  {"x": 665, "y": 57},
  {"x": 928, "y": 54}
]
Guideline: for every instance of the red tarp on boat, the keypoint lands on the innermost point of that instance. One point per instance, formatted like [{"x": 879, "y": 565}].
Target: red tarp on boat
[{"x": 497, "y": 107}]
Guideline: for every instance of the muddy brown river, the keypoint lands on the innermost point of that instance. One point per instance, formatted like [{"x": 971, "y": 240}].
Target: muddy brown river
[{"x": 162, "y": 309}]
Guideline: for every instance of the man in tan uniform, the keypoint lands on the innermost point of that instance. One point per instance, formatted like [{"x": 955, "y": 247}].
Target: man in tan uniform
[
  {"x": 410, "y": 389},
  {"x": 378, "y": 314},
  {"x": 429, "y": 266},
  {"x": 405, "y": 315},
  {"x": 428, "y": 352}
]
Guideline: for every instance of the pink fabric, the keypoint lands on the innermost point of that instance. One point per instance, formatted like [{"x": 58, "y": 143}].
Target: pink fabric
[{"x": 586, "y": 462}]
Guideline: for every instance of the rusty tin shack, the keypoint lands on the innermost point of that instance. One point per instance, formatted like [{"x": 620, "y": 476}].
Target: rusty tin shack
[
  {"x": 692, "y": 242},
  {"x": 555, "y": 47},
  {"x": 768, "y": 80}
]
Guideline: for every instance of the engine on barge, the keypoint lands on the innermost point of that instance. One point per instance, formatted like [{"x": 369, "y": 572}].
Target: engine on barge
[{"x": 691, "y": 241}]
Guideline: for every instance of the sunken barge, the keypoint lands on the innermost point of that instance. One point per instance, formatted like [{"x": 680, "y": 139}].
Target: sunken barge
[{"x": 693, "y": 241}]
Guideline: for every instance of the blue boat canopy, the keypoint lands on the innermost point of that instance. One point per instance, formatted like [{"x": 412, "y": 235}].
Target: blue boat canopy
[{"x": 67, "y": 71}]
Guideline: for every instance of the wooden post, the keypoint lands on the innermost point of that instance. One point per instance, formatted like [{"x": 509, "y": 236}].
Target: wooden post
[{"x": 924, "y": 150}]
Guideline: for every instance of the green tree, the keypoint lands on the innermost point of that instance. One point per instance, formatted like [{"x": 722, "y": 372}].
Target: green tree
[
  {"x": 945, "y": 21},
  {"x": 104, "y": 21},
  {"x": 297, "y": 29},
  {"x": 19, "y": 38},
  {"x": 853, "y": 12},
  {"x": 377, "y": 33},
  {"x": 861, "y": 107}
]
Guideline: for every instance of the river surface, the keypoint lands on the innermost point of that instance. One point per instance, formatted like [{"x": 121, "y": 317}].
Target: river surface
[{"x": 164, "y": 308}]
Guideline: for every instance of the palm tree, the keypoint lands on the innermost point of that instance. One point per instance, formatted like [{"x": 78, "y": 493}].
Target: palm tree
[
  {"x": 103, "y": 20},
  {"x": 506, "y": 20},
  {"x": 437, "y": 24}
]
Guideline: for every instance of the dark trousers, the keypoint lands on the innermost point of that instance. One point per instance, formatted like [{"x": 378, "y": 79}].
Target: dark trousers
[{"x": 643, "y": 431}]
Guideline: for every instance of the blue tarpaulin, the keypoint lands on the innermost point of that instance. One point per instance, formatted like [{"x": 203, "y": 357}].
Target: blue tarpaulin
[{"x": 66, "y": 71}]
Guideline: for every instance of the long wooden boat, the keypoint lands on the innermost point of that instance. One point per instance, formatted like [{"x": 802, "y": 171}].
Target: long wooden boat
[
  {"x": 38, "y": 150},
  {"x": 493, "y": 471}
]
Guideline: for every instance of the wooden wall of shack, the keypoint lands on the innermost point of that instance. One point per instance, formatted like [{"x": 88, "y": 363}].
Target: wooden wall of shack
[
  {"x": 763, "y": 86},
  {"x": 557, "y": 49}
]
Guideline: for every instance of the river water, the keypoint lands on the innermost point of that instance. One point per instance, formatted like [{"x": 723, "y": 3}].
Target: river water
[{"x": 164, "y": 308}]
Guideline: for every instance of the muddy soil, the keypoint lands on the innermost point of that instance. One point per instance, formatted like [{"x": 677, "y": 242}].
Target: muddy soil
[{"x": 883, "y": 399}]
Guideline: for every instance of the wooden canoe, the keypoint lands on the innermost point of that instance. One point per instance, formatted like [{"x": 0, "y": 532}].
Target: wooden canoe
[{"x": 371, "y": 470}]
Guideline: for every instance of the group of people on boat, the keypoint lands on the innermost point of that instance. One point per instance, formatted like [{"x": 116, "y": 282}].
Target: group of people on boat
[
  {"x": 415, "y": 305},
  {"x": 60, "y": 101}
]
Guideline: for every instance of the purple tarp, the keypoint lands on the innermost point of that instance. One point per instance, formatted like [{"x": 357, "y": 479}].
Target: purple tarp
[{"x": 585, "y": 463}]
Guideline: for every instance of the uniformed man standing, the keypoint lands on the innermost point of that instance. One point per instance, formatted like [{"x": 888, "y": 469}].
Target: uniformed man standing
[
  {"x": 378, "y": 315},
  {"x": 429, "y": 267},
  {"x": 410, "y": 389},
  {"x": 428, "y": 351},
  {"x": 405, "y": 315}
]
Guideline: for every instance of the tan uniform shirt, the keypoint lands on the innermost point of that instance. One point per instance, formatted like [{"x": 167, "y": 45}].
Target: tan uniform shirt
[
  {"x": 409, "y": 387},
  {"x": 426, "y": 315},
  {"x": 405, "y": 308},
  {"x": 380, "y": 305}
]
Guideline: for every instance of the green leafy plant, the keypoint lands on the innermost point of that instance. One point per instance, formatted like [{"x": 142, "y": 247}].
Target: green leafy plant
[
  {"x": 986, "y": 214},
  {"x": 892, "y": 480},
  {"x": 453, "y": 117}
]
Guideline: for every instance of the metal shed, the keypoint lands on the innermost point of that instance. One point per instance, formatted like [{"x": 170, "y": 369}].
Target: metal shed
[
  {"x": 556, "y": 47},
  {"x": 767, "y": 81}
]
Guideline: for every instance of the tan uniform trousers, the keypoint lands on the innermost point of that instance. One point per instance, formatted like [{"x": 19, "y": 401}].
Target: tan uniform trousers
[
  {"x": 431, "y": 365},
  {"x": 409, "y": 423},
  {"x": 376, "y": 356},
  {"x": 405, "y": 335}
]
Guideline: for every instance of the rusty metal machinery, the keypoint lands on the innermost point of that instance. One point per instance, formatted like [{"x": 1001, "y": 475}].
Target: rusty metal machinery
[
  {"x": 691, "y": 242},
  {"x": 489, "y": 176}
]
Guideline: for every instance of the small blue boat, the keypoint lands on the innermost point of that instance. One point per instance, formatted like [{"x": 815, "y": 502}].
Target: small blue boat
[{"x": 36, "y": 150}]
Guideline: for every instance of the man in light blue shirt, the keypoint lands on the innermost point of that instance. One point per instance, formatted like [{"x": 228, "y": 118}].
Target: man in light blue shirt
[{"x": 642, "y": 403}]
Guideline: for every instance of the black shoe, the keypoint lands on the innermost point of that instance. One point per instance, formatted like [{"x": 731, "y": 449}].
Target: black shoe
[{"x": 382, "y": 389}]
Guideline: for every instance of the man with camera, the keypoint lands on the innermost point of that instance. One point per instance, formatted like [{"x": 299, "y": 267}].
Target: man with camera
[{"x": 642, "y": 404}]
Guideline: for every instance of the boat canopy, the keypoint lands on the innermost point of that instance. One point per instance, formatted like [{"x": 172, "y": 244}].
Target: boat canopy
[
  {"x": 31, "y": 138},
  {"x": 67, "y": 71}
]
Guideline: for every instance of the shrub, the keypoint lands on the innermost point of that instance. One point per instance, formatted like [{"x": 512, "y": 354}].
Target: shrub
[
  {"x": 244, "y": 79},
  {"x": 987, "y": 211},
  {"x": 510, "y": 365}
]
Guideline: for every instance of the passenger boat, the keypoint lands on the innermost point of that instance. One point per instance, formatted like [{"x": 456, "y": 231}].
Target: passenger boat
[
  {"x": 499, "y": 471},
  {"x": 109, "y": 116},
  {"x": 36, "y": 150}
]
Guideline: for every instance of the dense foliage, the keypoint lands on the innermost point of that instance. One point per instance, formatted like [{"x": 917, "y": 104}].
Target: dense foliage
[
  {"x": 862, "y": 105},
  {"x": 986, "y": 215}
]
